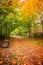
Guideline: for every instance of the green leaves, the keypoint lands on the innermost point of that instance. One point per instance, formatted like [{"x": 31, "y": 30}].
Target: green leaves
[
  {"x": 20, "y": 31},
  {"x": 39, "y": 43},
  {"x": 12, "y": 21}
]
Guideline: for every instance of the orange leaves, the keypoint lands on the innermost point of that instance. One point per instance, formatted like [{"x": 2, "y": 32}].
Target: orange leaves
[
  {"x": 20, "y": 54},
  {"x": 30, "y": 6},
  {"x": 1, "y": 56},
  {"x": 34, "y": 5},
  {"x": 41, "y": 6},
  {"x": 13, "y": 61},
  {"x": 25, "y": 7},
  {"x": 0, "y": 50},
  {"x": 1, "y": 62},
  {"x": 29, "y": 52}
]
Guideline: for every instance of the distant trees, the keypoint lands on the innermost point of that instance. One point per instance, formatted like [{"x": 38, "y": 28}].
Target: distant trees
[
  {"x": 6, "y": 16},
  {"x": 18, "y": 18}
]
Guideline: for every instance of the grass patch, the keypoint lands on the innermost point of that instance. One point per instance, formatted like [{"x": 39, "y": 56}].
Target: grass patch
[{"x": 39, "y": 43}]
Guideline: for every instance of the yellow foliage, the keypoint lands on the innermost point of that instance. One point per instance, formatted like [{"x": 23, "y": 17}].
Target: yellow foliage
[
  {"x": 11, "y": 14},
  {"x": 15, "y": 1},
  {"x": 27, "y": 6}
]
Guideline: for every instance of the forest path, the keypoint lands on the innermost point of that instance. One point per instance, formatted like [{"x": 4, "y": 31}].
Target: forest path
[{"x": 25, "y": 49}]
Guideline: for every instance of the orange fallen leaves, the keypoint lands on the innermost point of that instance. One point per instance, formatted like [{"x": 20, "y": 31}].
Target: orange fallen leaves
[
  {"x": 0, "y": 48},
  {"x": 20, "y": 54},
  {"x": 34, "y": 57},
  {"x": 13, "y": 61},
  {"x": 1, "y": 62}
]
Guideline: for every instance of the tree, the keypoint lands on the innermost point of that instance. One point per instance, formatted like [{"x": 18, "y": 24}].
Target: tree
[{"x": 7, "y": 16}]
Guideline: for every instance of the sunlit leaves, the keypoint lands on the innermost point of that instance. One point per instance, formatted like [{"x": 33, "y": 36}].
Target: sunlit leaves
[{"x": 19, "y": 13}]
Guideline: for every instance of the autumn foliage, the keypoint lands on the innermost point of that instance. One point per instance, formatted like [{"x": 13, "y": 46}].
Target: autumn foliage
[{"x": 20, "y": 53}]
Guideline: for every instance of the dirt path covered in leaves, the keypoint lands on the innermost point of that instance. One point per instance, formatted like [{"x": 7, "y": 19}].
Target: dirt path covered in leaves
[{"x": 22, "y": 52}]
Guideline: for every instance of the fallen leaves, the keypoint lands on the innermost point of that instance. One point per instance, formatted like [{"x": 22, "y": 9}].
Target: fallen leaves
[
  {"x": 28, "y": 53},
  {"x": 1, "y": 62},
  {"x": 13, "y": 61}
]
